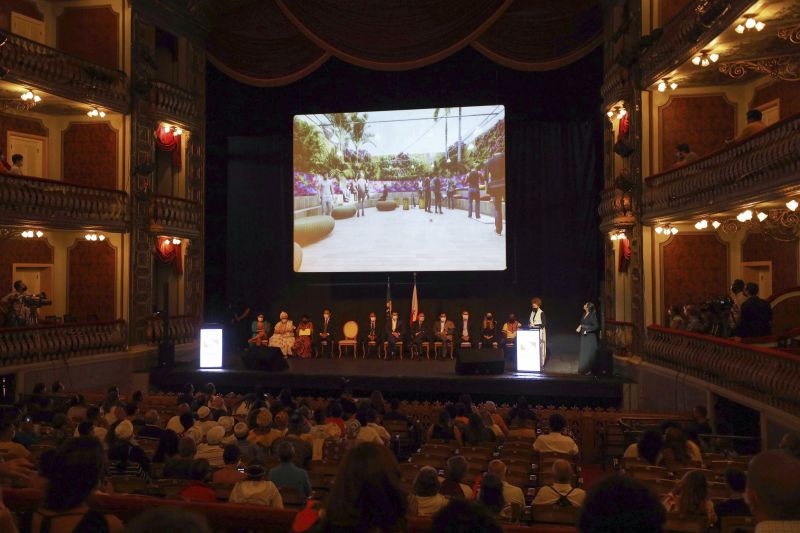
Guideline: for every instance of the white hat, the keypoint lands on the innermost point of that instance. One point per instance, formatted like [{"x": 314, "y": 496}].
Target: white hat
[
  {"x": 124, "y": 430},
  {"x": 226, "y": 422},
  {"x": 203, "y": 412},
  {"x": 215, "y": 435},
  {"x": 175, "y": 424}
]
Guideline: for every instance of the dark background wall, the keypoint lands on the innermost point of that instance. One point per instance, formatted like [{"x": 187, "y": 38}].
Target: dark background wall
[{"x": 554, "y": 176}]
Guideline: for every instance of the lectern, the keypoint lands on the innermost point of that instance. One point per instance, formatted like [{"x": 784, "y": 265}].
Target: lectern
[{"x": 530, "y": 350}]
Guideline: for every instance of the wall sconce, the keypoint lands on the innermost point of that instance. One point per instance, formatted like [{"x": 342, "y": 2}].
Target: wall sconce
[
  {"x": 30, "y": 234},
  {"x": 792, "y": 205},
  {"x": 663, "y": 84},
  {"x": 666, "y": 229},
  {"x": 762, "y": 216},
  {"x": 704, "y": 59},
  {"x": 94, "y": 112},
  {"x": 750, "y": 23},
  {"x": 744, "y": 216},
  {"x": 166, "y": 128},
  {"x": 618, "y": 235},
  {"x": 618, "y": 110},
  {"x": 701, "y": 224},
  {"x": 95, "y": 237},
  {"x": 716, "y": 224}
]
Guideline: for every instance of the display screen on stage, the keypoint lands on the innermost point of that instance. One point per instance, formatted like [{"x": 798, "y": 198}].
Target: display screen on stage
[{"x": 394, "y": 191}]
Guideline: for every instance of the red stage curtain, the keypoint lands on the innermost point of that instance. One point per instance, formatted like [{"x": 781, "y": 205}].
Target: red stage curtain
[
  {"x": 624, "y": 255},
  {"x": 167, "y": 253},
  {"x": 169, "y": 142},
  {"x": 276, "y": 42}
]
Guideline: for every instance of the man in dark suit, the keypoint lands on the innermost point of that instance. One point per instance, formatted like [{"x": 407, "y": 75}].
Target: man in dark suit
[
  {"x": 370, "y": 332},
  {"x": 443, "y": 332},
  {"x": 474, "y": 193},
  {"x": 436, "y": 185},
  {"x": 465, "y": 331},
  {"x": 496, "y": 187},
  {"x": 426, "y": 187},
  {"x": 394, "y": 332},
  {"x": 327, "y": 332},
  {"x": 756, "y": 314},
  {"x": 419, "y": 332}
]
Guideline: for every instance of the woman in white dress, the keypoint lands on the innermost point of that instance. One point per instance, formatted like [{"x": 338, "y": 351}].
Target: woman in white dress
[{"x": 283, "y": 335}]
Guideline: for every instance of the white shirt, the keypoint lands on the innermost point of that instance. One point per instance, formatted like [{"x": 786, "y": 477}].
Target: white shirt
[
  {"x": 15, "y": 170},
  {"x": 394, "y": 324},
  {"x": 555, "y": 442},
  {"x": 511, "y": 494},
  {"x": 778, "y": 526},
  {"x": 326, "y": 190},
  {"x": 442, "y": 326},
  {"x": 361, "y": 185},
  {"x": 465, "y": 329},
  {"x": 549, "y": 494},
  {"x": 536, "y": 317}
]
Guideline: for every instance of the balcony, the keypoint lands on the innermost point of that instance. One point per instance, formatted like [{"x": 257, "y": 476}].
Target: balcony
[
  {"x": 174, "y": 216},
  {"x": 168, "y": 101},
  {"x": 55, "y": 204},
  {"x": 180, "y": 330},
  {"x": 60, "y": 341},
  {"x": 619, "y": 337},
  {"x": 764, "y": 164},
  {"x": 616, "y": 208},
  {"x": 767, "y": 375},
  {"x": 53, "y": 71}
]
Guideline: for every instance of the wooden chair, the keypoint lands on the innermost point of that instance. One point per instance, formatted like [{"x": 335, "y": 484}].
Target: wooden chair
[
  {"x": 722, "y": 465},
  {"x": 367, "y": 344},
  {"x": 659, "y": 486},
  {"x": 437, "y": 449},
  {"x": 437, "y": 348},
  {"x": 648, "y": 472},
  {"x": 350, "y": 331},
  {"x": 400, "y": 345},
  {"x": 292, "y": 498},
  {"x": 736, "y": 524},
  {"x": 425, "y": 346},
  {"x": 551, "y": 514}
]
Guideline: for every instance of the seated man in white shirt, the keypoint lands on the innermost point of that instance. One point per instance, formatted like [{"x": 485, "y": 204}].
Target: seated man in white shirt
[
  {"x": 555, "y": 441},
  {"x": 561, "y": 492},
  {"x": 511, "y": 494}
]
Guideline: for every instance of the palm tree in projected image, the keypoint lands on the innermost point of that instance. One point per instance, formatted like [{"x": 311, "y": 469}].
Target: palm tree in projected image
[
  {"x": 445, "y": 111},
  {"x": 359, "y": 134},
  {"x": 337, "y": 130}
]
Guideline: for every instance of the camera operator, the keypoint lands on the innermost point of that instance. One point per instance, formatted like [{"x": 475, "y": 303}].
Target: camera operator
[
  {"x": 10, "y": 312},
  {"x": 738, "y": 297}
]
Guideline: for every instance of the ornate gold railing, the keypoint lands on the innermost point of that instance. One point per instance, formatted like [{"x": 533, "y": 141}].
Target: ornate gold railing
[
  {"x": 174, "y": 216},
  {"x": 60, "y": 341},
  {"x": 180, "y": 329},
  {"x": 57, "y": 204},
  {"x": 52, "y": 70},
  {"x": 619, "y": 336},
  {"x": 764, "y": 374},
  {"x": 758, "y": 165},
  {"x": 171, "y": 101}
]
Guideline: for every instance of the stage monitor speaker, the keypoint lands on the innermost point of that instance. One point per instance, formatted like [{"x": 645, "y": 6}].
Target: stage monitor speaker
[
  {"x": 473, "y": 361},
  {"x": 269, "y": 359},
  {"x": 166, "y": 354},
  {"x": 603, "y": 362}
]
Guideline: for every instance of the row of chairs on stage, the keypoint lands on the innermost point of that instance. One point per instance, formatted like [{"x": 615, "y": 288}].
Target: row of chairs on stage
[{"x": 381, "y": 346}]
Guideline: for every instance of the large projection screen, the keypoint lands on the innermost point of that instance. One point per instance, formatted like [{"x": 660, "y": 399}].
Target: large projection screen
[{"x": 400, "y": 191}]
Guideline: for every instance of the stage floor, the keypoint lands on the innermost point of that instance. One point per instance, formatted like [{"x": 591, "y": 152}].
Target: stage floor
[{"x": 423, "y": 380}]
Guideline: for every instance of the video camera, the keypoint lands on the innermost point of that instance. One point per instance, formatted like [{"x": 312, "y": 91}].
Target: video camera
[{"x": 35, "y": 301}]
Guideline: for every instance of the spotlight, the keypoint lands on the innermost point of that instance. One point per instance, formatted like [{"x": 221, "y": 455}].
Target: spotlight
[
  {"x": 762, "y": 216},
  {"x": 792, "y": 205}
]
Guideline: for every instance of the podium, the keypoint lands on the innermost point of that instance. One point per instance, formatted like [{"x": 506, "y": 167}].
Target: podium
[{"x": 530, "y": 350}]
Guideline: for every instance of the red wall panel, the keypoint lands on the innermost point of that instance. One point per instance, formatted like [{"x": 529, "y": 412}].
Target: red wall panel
[
  {"x": 761, "y": 247},
  {"x": 19, "y": 125},
  {"x": 703, "y": 122},
  {"x": 788, "y": 92},
  {"x": 91, "y": 33},
  {"x": 90, "y": 154},
  {"x": 92, "y": 280},
  {"x": 694, "y": 268},
  {"x": 670, "y": 8},
  {"x": 21, "y": 251}
]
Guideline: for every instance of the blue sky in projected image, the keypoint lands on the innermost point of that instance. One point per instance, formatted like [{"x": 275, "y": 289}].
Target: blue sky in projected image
[{"x": 414, "y": 131}]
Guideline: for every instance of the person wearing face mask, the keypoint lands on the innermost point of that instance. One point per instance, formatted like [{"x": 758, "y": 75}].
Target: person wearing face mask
[
  {"x": 395, "y": 332},
  {"x": 587, "y": 329},
  {"x": 488, "y": 331},
  {"x": 283, "y": 335},
  {"x": 538, "y": 320},
  {"x": 326, "y": 335},
  {"x": 419, "y": 333},
  {"x": 260, "y": 330},
  {"x": 371, "y": 335},
  {"x": 465, "y": 332},
  {"x": 443, "y": 332}
]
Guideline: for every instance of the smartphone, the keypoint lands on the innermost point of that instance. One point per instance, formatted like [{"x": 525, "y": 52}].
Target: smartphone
[{"x": 241, "y": 469}]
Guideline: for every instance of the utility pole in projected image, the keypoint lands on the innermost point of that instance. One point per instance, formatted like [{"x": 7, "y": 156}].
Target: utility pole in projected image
[{"x": 446, "y": 112}]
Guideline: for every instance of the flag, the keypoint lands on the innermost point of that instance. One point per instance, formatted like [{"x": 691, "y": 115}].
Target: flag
[
  {"x": 388, "y": 298},
  {"x": 414, "y": 303}
]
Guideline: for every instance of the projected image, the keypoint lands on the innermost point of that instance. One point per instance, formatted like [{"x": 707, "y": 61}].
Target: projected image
[{"x": 411, "y": 190}]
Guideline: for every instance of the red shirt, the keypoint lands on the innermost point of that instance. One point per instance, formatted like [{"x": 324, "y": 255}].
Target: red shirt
[
  {"x": 338, "y": 421},
  {"x": 198, "y": 492}
]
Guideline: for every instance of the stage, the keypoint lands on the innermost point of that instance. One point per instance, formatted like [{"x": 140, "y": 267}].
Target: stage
[{"x": 420, "y": 380}]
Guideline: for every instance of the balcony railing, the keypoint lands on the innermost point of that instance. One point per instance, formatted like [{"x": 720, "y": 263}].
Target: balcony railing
[
  {"x": 52, "y": 70},
  {"x": 170, "y": 101},
  {"x": 61, "y": 205},
  {"x": 764, "y": 374},
  {"x": 174, "y": 216},
  {"x": 180, "y": 329},
  {"x": 619, "y": 337},
  {"x": 51, "y": 342},
  {"x": 758, "y": 165}
]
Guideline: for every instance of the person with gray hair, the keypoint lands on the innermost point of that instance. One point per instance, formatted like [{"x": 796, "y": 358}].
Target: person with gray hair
[
  {"x": 511, "y": 494},
  {"x": 560, "y": 492},
  {"x": 773, "y": 491},
  {"x": 426, "y": 498},
  {"x": 452, "y": 486}
]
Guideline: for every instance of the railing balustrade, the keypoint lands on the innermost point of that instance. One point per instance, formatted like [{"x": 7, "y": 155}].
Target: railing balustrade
[{"x": 48, "y": 342}]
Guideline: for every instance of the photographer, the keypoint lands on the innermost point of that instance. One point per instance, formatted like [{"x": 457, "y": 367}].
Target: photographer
[{"x": 12, "y": 309}]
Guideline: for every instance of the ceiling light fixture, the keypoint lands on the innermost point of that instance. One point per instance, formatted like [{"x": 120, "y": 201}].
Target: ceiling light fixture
[
  {"x": 762, "y": 216},
  {"x": 704, "y": 59},
  {"x": 716, "y": 224},
  {"x": 95, "y": 237},
  {"x": 701, "y": 224},
  {"x": 792, "y": 205},
  {"x": 663, "y": 84},
  {"x": 744, "y": 216},
  {"x": 94, "y": 112},
  {"x": 30, "y": 234}
]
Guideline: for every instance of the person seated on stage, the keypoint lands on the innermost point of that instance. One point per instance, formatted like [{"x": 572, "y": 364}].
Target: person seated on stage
[
  {"x": 283, "y": 335},
  {"x": 561, "y": 493},
  {"x": 264, "y": 434},
  {"x": 488, "y": 331},
  {"x": 443, "y": 332},
  {"x": 260, "y": 330},
  {"x": 556, "y": 441},
  {"x": 509, "y": 332},
  {"x": 371, "y": 333},
  {"x": 326, "y": 333},
  {"x": 419, "y": 332},
  {"x": 395, "y": 332},
  {"x": 465, "y": 332},
  {"x": 294, "y": 436},
  {"x": 302, "y": 343}
]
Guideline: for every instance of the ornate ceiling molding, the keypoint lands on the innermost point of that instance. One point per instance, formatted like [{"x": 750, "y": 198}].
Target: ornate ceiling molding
[
  {"x": 785, "y": 68},
  {"x": 790, "y": 33},
  {"x": 780, "y": 224}
]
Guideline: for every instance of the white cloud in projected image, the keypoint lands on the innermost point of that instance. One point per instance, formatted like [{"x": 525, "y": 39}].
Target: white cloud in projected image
[{"x": 415, "y": 131}]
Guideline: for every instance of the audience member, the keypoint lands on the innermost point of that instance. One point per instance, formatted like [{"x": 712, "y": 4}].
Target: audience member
[
  {"x": 196, "y": 489},
  {"x": 561, "y": 492},
  {"x": 250, "y": 451},
  {"x": 76, "y": 410},
  {"x": 694, "y": 324},
  {"x": 287, "y": 474},
  {"x": 756, "y": 314},
  {"x": 255, "y": 490},
  {"x": 452, "y": 485},
  {"x": 372, "y": 422},
  {"x": 126, "y": 458},
  {"x": 168, "y": 520},
  {"x": 367, "y": 433},
  {"x": 460, "y": 516},
  {"x": 16, "y": 165},
  {"x": 496, "y": 417},
  {"x": 231, "y": 473},
  {"x": 491, "y": 496},
  {"x": 204, "y": 419},
  {"x": 334, "y": 414},
  {"x": 264, "y": 434},
  {"x": 754, "y": 125},
  {"x": 178, "y": 466},
  {"x": 167, "y": 447},
  {"x": 675, "y": 317},
  {"x": 74, "y": 475},
  {"x": 475, "y": 432},
  {"x": 512, "y": 495},
  {"x": 444, "y": 428},
  {"x": 556, "y": 441},
  {"x": 227, "y": 423},
  {"x": 8, "y": 446},
  {"x": 294, "y": 436},
  {"x": 690, "y": 498},
  {"x": 773, "y": 491},
  {"x": 621, "y": 504},
  {"x": 738, "y": 297},
  {"x": 426, "y": 499},
  {"x": 791, "y": 443},
  {"x": 678, "y": 452},
  {"x": 151, "y": 430},
  {"x": 211, "y": 449},
  {"x": 684, "y": 155},
  {"x": 735, "y": 504},
  {"x": 648, "y": 448}
]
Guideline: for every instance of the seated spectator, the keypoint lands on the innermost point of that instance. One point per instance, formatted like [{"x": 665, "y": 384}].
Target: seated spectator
[
  {"x": 694, "y": 323},
  {"x": 107, "y": 408},
  {"x": 294, "y": 436},
  {"x": 475, "y": 433},
  {"x": 460, "y": 516},
  {"x": 488, "y": 422},
  {"x": 227, "y": 423},
  {"x": 264, "y": 434},
  {"x": 76, "y": 411},
  {"x": 218, "y": 407},
  {"x": 754, "y": 125},
  {"x": 684, "y": 155},
  {"x": 233, "y": 471},
  {"x": 556, "y": 441},
  {"x": 335, "y": 415},
  {"x": 351, "y": 430},
  {"x": 491, "y": 407},
  {"x": 8, "y": 446},
  {"x": 561, "y": 492},
  {"x": 444, "y": 429},
  {"x": 26, "y": 433},
  {"x": 178, "y": 466},
  {"x": 491, "y": 496},
  {"x": 367, "y": 433},
  {"x": 690, "y": 497},
  {"x": 76, "y": 471},
  {"x": 366, "y": 496},
  {"x": 60, "y": 432},
  {"x": 250, "y": 452},
  {"x": 678, "y": 451},
  {"x": 452, "y": 486},
  {"x": 287, "y": 474},
  {"x": 700, "y": 423},
  {"x": 204, "y": 419},
  {"x": 756, "y": 318},
  {"x": 773, "y": 491},
  {"x": 675, "y": 317},
  {"x": 521, "y": 413},
  {"x": 151, "y": 430},
  {"x": 175, "y": 423},
  {"x": 372, "y": 422},
  {"x": 167, "y": 447},
  {"x": 197, "y": 490},
  {"x": 211, "y": 449},
  {"x": 735, "y": 505},
  {"x": 126, "y": 458},
  {"x": 322, "y": 430},
  {"x": 791, "y": 443},
  {"x": 426, "y": 499},
  {"x": 462, "y": 415},
  {"x": 512, "y": 495},
  {"x": 255, "y": 491},
  {"x": 96, "y": 421},
  {"x": 168, "y": 520},
  {"x": 648, "y": 448},
  {"x": 623, "y": 505}
]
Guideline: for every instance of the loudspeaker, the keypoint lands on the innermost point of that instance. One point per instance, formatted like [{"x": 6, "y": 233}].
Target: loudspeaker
[
  {"x": 265, "y": 358},
  {"x": 166, "y": 354},
  {"x": 474, "y": 361},
  {"x": 603, "y": 362}
]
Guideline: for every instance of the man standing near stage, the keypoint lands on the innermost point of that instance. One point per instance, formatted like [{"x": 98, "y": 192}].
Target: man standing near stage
[
  {"x": 538, "y": 320},
  {"x": 327, "y": 332},
  {"x": 419, "y": 332},
  {"x": 395, "y": 331},
  {"x": 443, "y": 332},
  {"x": 496, "y": 187}
]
